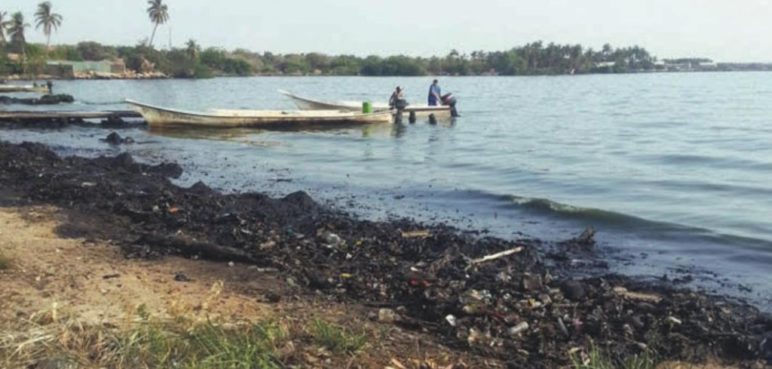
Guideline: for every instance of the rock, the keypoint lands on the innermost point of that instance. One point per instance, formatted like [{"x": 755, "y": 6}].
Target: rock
[
  {"x": 113, "y": 138},
  {"x": 44, "y": 100},
  {"x": 587, "y": 237},
  {"x": 181, "y": 277},
  {"x": 766, "y": 348},
  {"x": 332, "y": 239},
  {"x": 272, "y": 297},
  {"x": 520, "y": 328},
  {"x": 673, "y": 320},
  {"x": 267, "y": 245},
  {"x": 637, "y": 321},
  {"x": 562, "y": 326},
  {"x": 531, "y": 282},
  {"x": 116, "y": 139},
  {"x": 55, "y": 363},
  {"x": 387, "y": 316},
  {"x": 574, "y": 290}
]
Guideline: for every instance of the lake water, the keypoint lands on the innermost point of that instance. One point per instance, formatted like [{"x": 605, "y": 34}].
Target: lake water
[{"x": 672, "y": 169}]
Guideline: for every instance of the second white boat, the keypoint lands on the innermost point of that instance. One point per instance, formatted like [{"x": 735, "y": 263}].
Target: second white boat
[{"x": 305, "y": 103}]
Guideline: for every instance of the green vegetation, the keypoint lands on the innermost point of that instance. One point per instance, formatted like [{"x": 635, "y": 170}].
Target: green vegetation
[
  {"x": 55, "y": 340},
  {"x": 5, "y": 262},
  {"x": 159, "y": 14},
  {"x": 191, "y": 61},
  {"x": 188, "y": 339},
  {"x": 16, "y": 31},
  {"x": 596, "y": 359},
  {"x": 46, "y": 18},
  {"x": 152, "y": 344},
  {"x": 335, "y": 338}
]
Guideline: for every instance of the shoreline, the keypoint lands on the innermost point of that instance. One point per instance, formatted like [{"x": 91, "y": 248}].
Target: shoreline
[
  {"x": 430, "y": 277},
  {"x": 161, "y": 76}
]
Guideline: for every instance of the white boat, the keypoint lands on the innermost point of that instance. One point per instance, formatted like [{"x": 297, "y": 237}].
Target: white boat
[
  {"x": 305, "y": 103},
  {"x": 5, "y": 88},
  {"x": 157, "y": 116}
]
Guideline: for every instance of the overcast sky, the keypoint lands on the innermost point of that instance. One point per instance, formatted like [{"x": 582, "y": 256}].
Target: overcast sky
[{"x": 725, "y": 30}]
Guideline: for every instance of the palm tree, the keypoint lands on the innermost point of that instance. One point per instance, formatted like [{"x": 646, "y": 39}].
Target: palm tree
[
  {"x": 192, "y": 48},
  {"x": 158, "y": 13},
  {"x": 47, "y": 19},
  {"x": 4, "y": 24},
  {"x": 16, "y": 32}
]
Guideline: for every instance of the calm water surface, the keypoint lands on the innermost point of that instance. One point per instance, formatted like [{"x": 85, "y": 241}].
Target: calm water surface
[{"x": 673, "y": 169}]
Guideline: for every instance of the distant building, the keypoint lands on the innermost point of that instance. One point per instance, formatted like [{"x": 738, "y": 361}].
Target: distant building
[
  {"x": 610, "y": 64},
  {"x": 79, "y": 69},
  {"x": 689, "y": 64}
]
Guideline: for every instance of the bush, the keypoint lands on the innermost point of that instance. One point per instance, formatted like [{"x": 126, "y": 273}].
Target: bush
[
  {"x": 237, "y": 67},
  {"x": 95, "y": 51}
]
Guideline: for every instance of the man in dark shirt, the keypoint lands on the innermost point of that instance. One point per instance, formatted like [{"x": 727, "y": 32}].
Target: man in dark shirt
[{"x": 435, "y": 94}]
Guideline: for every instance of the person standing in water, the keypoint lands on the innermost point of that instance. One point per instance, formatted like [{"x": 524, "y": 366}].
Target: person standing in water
[
  {"x": 397, "y": 100},
  {"x": 435, "y": 94}
]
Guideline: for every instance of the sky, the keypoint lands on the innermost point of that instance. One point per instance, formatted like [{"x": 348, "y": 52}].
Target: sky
[{"x": 724, "y": 30}]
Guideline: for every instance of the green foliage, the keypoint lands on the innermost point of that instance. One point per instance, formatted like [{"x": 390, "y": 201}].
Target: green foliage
[
  {"x": 237, "y": 67},
  {"x": 596, "y": 359},
  {"x": 16, "y": 31},
  {"x": 90, "y": 50},
  {"x": 335, "y": 338},
  {"x": 65, "y": 52},
  {"x": 156, "y": 344},
  {"x": 192, "y": 62},
  {"x": 6, "y": 66},
  {"x": 5, "y": 262},
  {"x": 213, "y": 58},
  {"x": 35, "y": 51}
]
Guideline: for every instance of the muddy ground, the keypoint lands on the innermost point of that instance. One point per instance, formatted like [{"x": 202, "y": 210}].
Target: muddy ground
[{"x": 508, "y": 300}]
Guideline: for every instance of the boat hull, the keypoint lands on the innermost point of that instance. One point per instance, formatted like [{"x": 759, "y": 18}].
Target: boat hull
[
  {"x": 165, "y": 117},
  {"x": 19, "y": 88},
  {"x": 421, "y": 111}
]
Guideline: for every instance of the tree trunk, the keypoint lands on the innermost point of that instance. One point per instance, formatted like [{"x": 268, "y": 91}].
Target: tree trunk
[
  {"x": 153, "y": 35},
  {"x": 48, "y": 45},
  {"x": 23, "y": 58}
]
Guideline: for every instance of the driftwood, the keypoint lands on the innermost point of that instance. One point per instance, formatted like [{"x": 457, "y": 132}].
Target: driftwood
[
  {"x": 496, "y": 256},
  {"x": 190, "y": 247}
]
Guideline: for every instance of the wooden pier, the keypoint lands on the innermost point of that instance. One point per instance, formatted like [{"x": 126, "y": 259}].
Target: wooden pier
[{"x": 65, "y": 116}]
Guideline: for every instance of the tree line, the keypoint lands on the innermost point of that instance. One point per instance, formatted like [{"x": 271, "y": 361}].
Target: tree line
[{"x": 191, "y": 61}]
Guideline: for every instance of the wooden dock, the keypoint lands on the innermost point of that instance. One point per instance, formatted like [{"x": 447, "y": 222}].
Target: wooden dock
[{"x": 65, "y": 116}]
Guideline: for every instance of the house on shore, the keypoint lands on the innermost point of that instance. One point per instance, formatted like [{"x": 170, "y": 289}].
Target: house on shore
[{"x": 86, "y": 69}]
